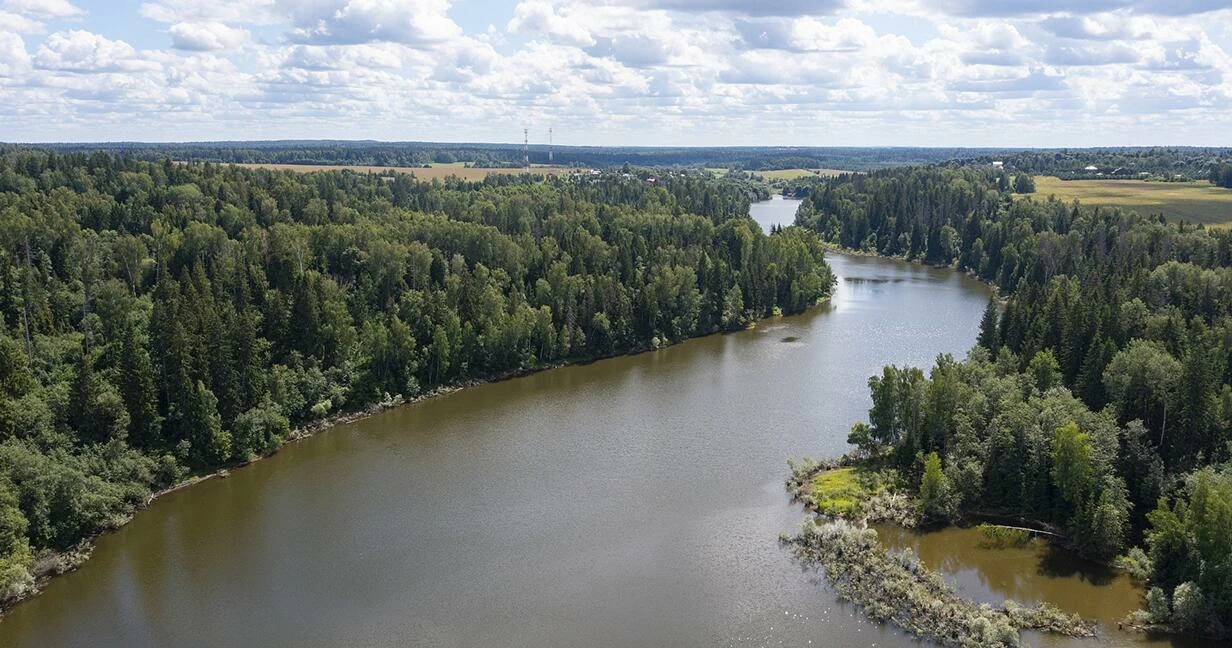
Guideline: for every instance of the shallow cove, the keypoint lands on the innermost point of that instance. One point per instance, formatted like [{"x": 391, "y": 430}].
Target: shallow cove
[{"x": 1034, "y": 572}]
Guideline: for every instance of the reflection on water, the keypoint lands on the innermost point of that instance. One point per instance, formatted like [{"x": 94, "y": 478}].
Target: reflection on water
[
  {"x": 776, "y": 211},
  {"x": 1035, "y": 572}
]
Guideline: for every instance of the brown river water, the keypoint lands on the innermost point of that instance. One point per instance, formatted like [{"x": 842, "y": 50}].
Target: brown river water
[{"x": 635, "y": 501}]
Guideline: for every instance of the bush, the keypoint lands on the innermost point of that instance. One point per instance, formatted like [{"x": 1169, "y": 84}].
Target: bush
[
  {"x": 999, "y": 536},
  {"x": 936, "y": 499},
  {"x": 1137, "y": 563},
  {"x": 1189, "y": 607},
  {"x": 259, "y": 430},
  {"x": 1157, "y": 606}
]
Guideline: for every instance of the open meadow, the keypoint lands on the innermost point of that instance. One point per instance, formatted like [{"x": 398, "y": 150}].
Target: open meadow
[{"x": 1194, "y": 202}]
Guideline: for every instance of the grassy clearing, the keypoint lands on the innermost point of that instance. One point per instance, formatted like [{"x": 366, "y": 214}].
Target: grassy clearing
[
  {"x": 838, "y": 492},
  {"x": 856, "y": 494},
  {"x": 1195, "y": 202},
  {"x": 435, "y": 172}
]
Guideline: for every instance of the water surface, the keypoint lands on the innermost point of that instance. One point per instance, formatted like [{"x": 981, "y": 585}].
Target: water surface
[{"x": 776, "y": 211}]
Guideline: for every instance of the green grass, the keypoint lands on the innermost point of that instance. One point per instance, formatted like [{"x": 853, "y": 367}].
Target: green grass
[
  {"x": 1194, "y": 202},
  {"x": 839, "y": 492}
]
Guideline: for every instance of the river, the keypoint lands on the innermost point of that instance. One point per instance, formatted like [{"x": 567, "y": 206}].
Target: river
[{"x": 635, "y": 501}]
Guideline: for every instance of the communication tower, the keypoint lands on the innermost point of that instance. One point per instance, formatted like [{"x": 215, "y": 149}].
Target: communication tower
[{"x": 526, "y": 147}]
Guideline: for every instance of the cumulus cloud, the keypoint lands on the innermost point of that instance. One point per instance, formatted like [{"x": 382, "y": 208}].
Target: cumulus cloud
[
  {"x": 538, "y": 17},
  {"x": 1101, "y": 27},
  {"x": 650, "y": 71},
  {"x": 83, "y": 51},
  {"x": 413, "y": 22},
  {"x": 19, "y": 24},
  {"x": 44, "y": 8},
  {"x": 206, "y": 36},
  {"x": 13, "y": 55}
]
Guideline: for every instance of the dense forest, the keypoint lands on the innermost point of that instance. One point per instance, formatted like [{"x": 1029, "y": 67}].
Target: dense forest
[
  {"x": 159, "y": 320},
  {"x": 1099, "y": 400},
  {"x": 1222, "y": 176}
]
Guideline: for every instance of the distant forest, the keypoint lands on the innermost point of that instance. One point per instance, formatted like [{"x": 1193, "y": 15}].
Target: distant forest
[{"x": 1188, "y": 162}]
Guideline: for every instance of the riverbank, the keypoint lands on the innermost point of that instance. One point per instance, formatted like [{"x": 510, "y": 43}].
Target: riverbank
[{"x": 49, "y": 564}]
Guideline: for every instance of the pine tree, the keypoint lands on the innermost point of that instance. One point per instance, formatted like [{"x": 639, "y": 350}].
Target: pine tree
[
  {"x": 136, "y": 382},
  {"x": 990, "y": 337}
]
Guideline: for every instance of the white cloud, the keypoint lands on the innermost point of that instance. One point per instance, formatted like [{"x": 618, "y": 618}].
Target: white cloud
[
  {"x": 412, "y": 22},
  {"x": 17, "y": 23},
  {"x": 203, "y": 11},
  {"x": 539, "y": 17},
  {"x": 13, "y": 55},
  {"x": 83, "y": 51},
  {"x": 1066, "y": 72},
  {"x": 44, "y": 8},
  {"x": 206, "y": 36}
]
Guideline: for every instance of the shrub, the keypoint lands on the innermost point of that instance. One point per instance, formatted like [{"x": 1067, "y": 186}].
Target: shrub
[
  {"x": 1189, "y": 607},
  {"x": 999, "y": 536},
  {"x": 1157, "y": 606},
  {"x": 1137, "y": 563}
]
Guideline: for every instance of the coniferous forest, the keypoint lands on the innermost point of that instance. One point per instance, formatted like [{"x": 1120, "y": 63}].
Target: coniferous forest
[
  {"x": 1099, "y": 400},
  {"x": 159, "y": 320}
]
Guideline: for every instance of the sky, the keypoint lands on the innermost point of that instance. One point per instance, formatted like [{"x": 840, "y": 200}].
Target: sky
[{"x": 1013, "y": 73}]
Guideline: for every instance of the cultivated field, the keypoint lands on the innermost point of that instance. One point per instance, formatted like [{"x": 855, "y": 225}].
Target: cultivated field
[
  {"x": 1195, "y": 202},
  {"x": 435, "y": 172},
  {"x": 792, "y": 174}
]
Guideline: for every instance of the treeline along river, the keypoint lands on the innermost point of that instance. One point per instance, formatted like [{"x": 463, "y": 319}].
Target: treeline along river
[{"x": 635, "y": 501}]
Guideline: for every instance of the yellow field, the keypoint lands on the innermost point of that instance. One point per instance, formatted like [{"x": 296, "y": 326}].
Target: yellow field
[
  {"x": 1194, "y": 202},
  {"x": 792, "y": 174},
  {"x": 435, "y": 172}
]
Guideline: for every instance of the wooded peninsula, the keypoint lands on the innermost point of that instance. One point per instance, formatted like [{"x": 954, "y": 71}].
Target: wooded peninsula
[{"x": 1097, "y": 406}]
